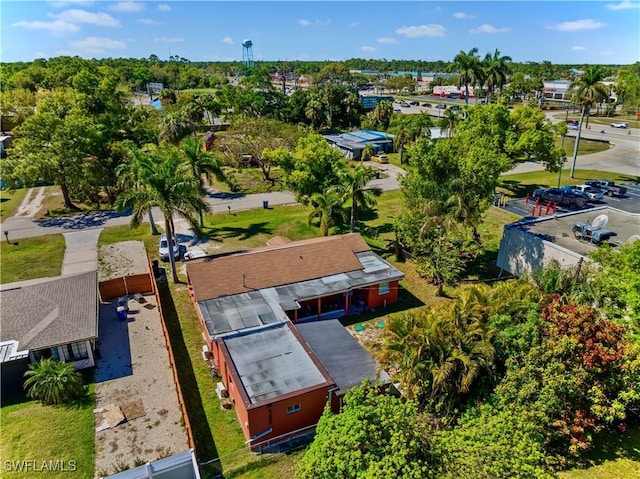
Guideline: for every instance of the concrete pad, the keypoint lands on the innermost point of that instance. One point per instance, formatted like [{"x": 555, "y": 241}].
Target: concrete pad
[{"x": 81, "y": 253}]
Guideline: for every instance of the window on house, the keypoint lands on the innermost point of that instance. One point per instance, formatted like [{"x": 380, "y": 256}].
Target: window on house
[
  {"x": 294, "y": 408},
  {"x": 383, "y": 288},
  {"x": 75, "y": 351}
]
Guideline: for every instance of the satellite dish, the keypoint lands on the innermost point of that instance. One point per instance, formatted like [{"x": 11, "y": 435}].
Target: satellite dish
[
  {"x": 600, "y": 221},
  {"x": 632, "y": 239}
]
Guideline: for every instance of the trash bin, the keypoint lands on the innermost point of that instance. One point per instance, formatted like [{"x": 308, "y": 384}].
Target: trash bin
[
  {"x": 122, "y": 313},
  {"x": 265, "y": 205},
  {"x": 377, "y": 175}
]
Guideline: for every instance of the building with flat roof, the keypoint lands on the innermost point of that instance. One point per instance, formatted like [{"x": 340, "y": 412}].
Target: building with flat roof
[
  {"x": 269, "y": 319},
  {"x": 352, "y": 143},
  {"x": 530, "y": 244}
]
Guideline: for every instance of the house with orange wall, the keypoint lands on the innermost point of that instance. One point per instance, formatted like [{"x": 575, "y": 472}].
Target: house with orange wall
[{"x": 255, "y": 304}]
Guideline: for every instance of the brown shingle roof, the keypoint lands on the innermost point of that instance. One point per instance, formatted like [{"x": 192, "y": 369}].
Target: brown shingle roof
[{"x": 275, "y": 266}]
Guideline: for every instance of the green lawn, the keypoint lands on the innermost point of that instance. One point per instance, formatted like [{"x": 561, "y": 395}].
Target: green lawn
[
  {"x": 10, "y": 201},
  {"x": 34, "y": 432},
  {"x": 586, "y": 147},
  {"x": 31, "y": 258},
  {"x": 522, "y": 183},
  {"x": 250, "y": 180},
  {"x": 613, "y": 457}
]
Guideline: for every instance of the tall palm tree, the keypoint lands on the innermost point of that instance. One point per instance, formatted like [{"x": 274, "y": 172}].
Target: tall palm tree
[
  {"x": 202, "y": 164},
  {"x": 382, "y": 114},
  {"x": 448, "y": 122},
  {"x": 367, "y": 152},
  {"x": 353, "y": 189},
  {"x": 399, "y": 141},
  {"x": 495, "y": 71},
  {"x": 174, "y": 127},
  {"x": 53, "y": 382},
  {"x": 588, "y": 90},
  {"x": 469, "y": 70},
  {"x": 131, "y": 177},
  {"x": 170, "y": 187},
  {"x": 327, "y": 208}
]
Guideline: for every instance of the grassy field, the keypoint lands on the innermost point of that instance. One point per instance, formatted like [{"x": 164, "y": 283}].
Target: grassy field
[
  {"x": 32, "y": 431},
  {"x": 31, "y": 258},
  {"x": 522, "y": 183},
  {"x": 250, "y": 180},
  {"x": 10, "y": 201}
]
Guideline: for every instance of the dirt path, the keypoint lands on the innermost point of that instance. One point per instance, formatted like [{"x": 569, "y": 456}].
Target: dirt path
[{"x": 32, "y": 202}]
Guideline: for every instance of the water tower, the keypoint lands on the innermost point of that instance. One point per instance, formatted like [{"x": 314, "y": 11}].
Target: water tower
[{"x": 247, "y": 53}]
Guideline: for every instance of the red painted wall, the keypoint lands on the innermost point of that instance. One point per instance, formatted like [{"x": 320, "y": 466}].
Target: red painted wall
[{"x": 375, "y": 300}]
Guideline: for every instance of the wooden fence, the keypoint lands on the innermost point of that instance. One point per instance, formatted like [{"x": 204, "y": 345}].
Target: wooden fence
[
  {"x": 172, "y": 361},
  {"x": 126, "y": 286}
]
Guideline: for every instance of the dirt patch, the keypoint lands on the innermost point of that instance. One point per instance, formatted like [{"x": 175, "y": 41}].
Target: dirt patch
[{"x": 122, "y": 259}]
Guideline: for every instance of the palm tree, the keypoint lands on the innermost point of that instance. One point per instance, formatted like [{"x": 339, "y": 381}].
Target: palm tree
[
  {"x": 353, "y": 189},
  {"x": 495, "y": 71},
  {"x": 588, "y": 89},
  {"x": 448, "y": 122},
  {"x": 327, "y": 208},
  {"x": 168, "y": 186},
  {"x": 469, "y": 70},
  {"x": 399, "y": 141},
  {"x": 382, "y": 114},
  {"x": 202, "y": 164},
  {"x": 131, "y": 176},
  {"x": 53, "y": 382},
  {"x": 174, "y": 127},
  {"x": 367, "y": 153}
]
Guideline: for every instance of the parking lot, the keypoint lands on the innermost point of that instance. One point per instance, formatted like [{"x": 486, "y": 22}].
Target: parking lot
[{"x": 629, "y": 203}]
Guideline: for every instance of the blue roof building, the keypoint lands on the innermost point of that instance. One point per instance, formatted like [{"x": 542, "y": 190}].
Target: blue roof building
[{"x": 352, "y": 143}]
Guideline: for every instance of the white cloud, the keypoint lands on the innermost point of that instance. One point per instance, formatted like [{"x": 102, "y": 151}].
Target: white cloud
[
  {"x": 624, "y": 5},
  {"x": 98, "y": 45},
  {"x": 148, "y": 21},
  {"x": 82, "y": 16},
  {"x": 577, "y": 25},
  {"x": 368, "y": 49},
  {"x": 431, "y": 30},
  {"x": 57, "y": 26},
  {"x": 462, "y": 15},
  {"x": 323, "y": 23},
  {"x": 163, "y": 7},
  {"x": 127, "y": 7},
  {"x": 486, "y": 28},
  {"x": 354, "y": 24},
  {"x": 578, "y": 48},
  {"x": 227, "y": 40},
  {"x": 387, "y": 40},
  {"x": 303, "y": 22},
  {"x": 168, "y": 40}
]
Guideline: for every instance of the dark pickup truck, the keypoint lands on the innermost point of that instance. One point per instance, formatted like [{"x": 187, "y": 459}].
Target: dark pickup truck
[
  {"x": 608, "y": 187},
  {"x": 562, "y": 197}
]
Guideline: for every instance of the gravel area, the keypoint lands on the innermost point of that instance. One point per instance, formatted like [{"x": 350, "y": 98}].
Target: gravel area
[
  {"x": 133, "y": 373},
  {"x": 122, "y": 259}
]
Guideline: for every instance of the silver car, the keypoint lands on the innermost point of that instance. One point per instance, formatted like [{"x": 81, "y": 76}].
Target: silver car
[{"x": 163, "y": 248}]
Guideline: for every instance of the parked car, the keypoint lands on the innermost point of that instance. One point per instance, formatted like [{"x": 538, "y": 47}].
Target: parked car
[
  {"x": 404, "y": 104},
  {"x": 609, "y": 187},
  {"x": 194, "y": 253},
  {"x": 456, "y": 108},
  {"x": 620, "y": 124},
  {"x": 163, "y": 248},
  {"x": 414, "y": 103},
  {"x": 592, "y": 193},
  {"x": 426, "y": 105},
  {"x": 441, "y": 106},
  {"x": 562, "y": 197},
  {"x": 380, "y": 158},
  {"x": 397, "y": 110}
]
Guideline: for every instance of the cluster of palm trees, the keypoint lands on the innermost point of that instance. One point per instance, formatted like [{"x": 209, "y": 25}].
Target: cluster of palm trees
[
  {"x": 490, "y": 72},
  {"x": 352, "y": 192},
  {"x": 171, "y": 179}
]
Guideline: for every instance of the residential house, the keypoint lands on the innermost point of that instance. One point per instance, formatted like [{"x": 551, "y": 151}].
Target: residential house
[{"x": 55, "y": 318}]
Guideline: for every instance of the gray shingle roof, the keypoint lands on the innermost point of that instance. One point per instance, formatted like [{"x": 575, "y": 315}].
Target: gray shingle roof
[{"x": 60, "y": 311}]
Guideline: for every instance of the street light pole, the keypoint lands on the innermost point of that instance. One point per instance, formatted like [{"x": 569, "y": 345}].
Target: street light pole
[{"x": 575, "y": 148}]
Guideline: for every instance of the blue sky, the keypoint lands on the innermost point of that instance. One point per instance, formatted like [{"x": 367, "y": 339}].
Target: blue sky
[{"x": 575, "y": 32}]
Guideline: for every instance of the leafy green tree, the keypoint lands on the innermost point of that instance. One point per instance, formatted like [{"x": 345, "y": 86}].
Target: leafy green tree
[
  {"x": 374, "y": 436},
  {"x": 353, "y": 189},
  {"x": 313, "y": 167},
  {"x": 169, "y": 186},
  {"x": 367, "y": 153},
  {"x": 382, "y": 114},
  {"x": 327, "y": 207},
  {"x": 490, "y": 443},
  {"x": 174, "y": 127},
  {"x": 469, "y": 69},
  {"x": 54, "y": 144},
  {"x": 202, "y": 165},
  {"x": 53, "y": 382},
  {"x": 581, "y": 377}
]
